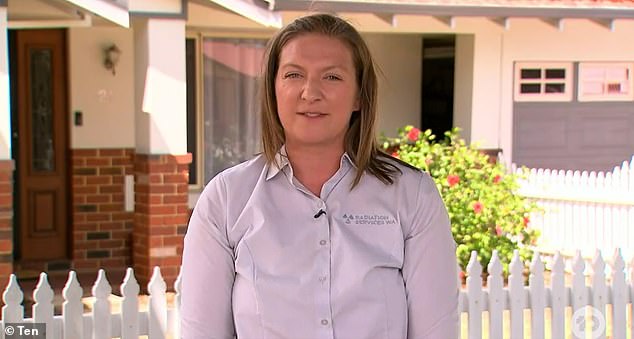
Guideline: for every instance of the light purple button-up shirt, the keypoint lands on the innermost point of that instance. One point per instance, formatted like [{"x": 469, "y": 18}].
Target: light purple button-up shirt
[{"x": 261, "y": 261}]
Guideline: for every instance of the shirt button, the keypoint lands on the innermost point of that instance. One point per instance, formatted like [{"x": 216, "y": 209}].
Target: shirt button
[
  {"x": 324, "y": 322},
  {"x": 323, "y": 242},
  {"x": 322, "y": 278}
]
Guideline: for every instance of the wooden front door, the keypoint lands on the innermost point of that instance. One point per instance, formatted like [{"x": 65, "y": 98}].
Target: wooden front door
[{"x": 40, "y": 143}]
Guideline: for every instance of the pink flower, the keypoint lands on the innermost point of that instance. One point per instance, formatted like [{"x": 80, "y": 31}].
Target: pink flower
[
  {"x": 526, "y": 220},
  {"x": 498, "y": 230},
  {"x": 413, "y": 134},
  {"x": 477, "y": 207},
  {"x": 497, "y": 179},
  {"x": 395, "y": 154},
  {"x": 453, "y": 180}
]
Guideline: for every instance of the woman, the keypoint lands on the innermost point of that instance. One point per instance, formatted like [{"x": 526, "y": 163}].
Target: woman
[{"x": 322, "y": 235}]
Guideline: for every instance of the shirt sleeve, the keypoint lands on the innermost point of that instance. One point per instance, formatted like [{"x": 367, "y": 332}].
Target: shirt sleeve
[
  {"x": 208, "y": 269},
  {"x": 430, "y": 268}
]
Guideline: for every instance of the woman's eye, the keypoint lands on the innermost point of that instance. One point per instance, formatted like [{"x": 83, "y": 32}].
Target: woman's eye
[
  {"x": 333, "y": 77},
  {"x": 291, "y": 75}
]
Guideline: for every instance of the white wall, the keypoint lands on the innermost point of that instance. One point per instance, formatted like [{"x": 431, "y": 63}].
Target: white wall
[
  {"x": 399, "y": 60},
  {"x": 106, "y": 100},
  {"x": 5, "y": 115}
]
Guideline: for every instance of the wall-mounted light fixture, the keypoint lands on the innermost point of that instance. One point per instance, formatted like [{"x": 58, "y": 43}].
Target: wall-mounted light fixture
[{"x": 111, "y": 57}]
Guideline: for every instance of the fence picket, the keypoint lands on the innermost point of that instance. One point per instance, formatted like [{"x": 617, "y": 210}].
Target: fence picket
[
  {"x": 516, "y": 296},
  {"x": 130, "y": 306},
  {"x": 495, "y": 286},
  {"x": 559, "y": 297},
  {"x": 157, "y": 303},
  {"x": 619, "y": 297},
  {"x": 537, "y": 295},
  {"x": 176, "y": 325},
  {"x": 579, "y": 294},
  {"x": 43, "y": 307},
  {"x": 72, "y": 309},
  {"x": 101, "y": 320},
  {"x": 599, "y": 292},
  {"x": 12, "y": 311}
]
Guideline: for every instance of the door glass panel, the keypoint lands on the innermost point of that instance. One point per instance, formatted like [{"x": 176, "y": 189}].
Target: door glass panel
[{"x": 42, "y": 110}]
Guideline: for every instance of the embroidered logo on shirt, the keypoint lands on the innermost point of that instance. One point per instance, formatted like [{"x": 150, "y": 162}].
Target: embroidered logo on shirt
[{"x": 368, "y": 219}]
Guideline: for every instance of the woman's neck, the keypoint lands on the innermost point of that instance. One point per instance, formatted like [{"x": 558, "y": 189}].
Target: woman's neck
[{"x": 313, "y": 166}]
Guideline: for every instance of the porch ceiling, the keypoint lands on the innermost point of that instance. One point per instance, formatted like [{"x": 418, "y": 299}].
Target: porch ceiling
[
  {"x": 591, "y": 9},
  {"x": 65, "y": 13}
]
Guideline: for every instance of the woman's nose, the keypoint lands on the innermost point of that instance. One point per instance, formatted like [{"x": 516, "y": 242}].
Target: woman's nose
[{"x": 311, "y": 91}]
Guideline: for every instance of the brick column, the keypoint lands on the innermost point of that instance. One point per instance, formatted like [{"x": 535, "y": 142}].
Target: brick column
[
  {"x": 102, "y": 228},
  {"x": 6, "y": 221},
  {"x": 161, "y": 214}
]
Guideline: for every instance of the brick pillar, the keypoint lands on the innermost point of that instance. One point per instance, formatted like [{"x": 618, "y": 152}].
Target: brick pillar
[
  {"x": 102, "y": 228},
  {"x": 6, "y": 221},
  {"x": 161, "y": 214}
]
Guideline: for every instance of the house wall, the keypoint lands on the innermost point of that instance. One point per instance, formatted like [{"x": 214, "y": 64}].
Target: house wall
[
  {"x": 399, "y": 60},
  {"x": 105, "y": 99}
]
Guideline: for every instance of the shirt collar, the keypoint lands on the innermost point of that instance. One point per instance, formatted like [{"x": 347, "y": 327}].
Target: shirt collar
[{"x": 281, "y": 161}]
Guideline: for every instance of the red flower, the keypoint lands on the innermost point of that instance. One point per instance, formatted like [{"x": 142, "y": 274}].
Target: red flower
[
  {"x": 413, "y": 134},
  {"x": 498, "y": 230},
  {"x": 526, "y": 221},
  {"x": 453, "y": 180},
  {"x": 477, "y": 207},
  {"x": 395, "y": 154},
  {"x": 497, "y": 179}
]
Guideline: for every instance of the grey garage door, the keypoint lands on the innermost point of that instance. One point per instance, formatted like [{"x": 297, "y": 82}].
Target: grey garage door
[{"x": 573, "y": 135}]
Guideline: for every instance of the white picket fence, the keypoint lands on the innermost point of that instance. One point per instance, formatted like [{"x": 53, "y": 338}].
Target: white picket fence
[
  {"x": 158, "y": 322},
  {"x": 583, "y": 210},
  {"x": 476, "y": 302}
]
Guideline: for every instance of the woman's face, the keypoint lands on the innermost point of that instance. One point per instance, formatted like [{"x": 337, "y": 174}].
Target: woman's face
[{"x": 316, "y": 91}]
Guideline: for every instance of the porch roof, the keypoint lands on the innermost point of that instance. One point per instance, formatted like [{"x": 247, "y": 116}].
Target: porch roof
[{"x": 591, "y": 9}]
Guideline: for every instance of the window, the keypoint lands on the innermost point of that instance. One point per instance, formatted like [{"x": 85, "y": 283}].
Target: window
[
  {"x": 540, "y": 81},
  {"x": 227, "y": 129},
  {"x": 605, "y": 81}
]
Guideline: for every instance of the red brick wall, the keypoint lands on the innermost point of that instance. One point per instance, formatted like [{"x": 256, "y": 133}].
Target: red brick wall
[
  {"x": 102, "y": 228},
  {"x": 6, "y": 221},
  {"x": 162, "y": 213}
]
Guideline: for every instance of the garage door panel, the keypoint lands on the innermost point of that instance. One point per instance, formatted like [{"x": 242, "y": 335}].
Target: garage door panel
[{"x": 575, "y": 136}]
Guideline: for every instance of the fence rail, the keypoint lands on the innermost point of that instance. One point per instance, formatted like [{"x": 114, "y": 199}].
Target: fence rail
[
  {"x": 583, "y": 210},
  {"x": 565, "y": 302}
]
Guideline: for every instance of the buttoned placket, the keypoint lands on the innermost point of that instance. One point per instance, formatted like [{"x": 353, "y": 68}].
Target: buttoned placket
[{"x": 322, "y": 270}]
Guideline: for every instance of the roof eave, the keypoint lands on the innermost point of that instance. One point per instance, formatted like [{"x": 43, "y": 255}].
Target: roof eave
[{"x": 455, "y": 10}]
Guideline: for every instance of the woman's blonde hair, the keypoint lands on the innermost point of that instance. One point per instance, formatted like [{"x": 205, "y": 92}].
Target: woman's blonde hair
[{"x": 360, "y": 140}]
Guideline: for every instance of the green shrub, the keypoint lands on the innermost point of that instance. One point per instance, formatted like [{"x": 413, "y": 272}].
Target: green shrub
[{"x": 485, "y": 212}]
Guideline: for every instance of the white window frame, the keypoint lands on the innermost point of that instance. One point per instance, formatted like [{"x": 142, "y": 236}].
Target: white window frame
[
  {"x": 542, "y": 96},
  {"x": 629, "y": 81}
]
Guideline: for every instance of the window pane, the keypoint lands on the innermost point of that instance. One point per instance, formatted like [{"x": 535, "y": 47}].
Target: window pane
[
  {"x": 556, "y": 73},
  {"x": 42, "y": 110},
  {"x": 614, "y": 88},
  {"x": 530, "y": 88},
  {"x": 231, "y": 110},
  {"x": 555, "y": 88},
  {"x": 531, "y": 73}
]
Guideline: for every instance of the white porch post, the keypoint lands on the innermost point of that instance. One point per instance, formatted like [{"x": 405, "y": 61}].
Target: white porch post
[
  {"x": 161, "y": 107},
  {"x": 161, "y": 161},
  {"x": 5, "y": 115},
  {"x": 477, "y": 93}
]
